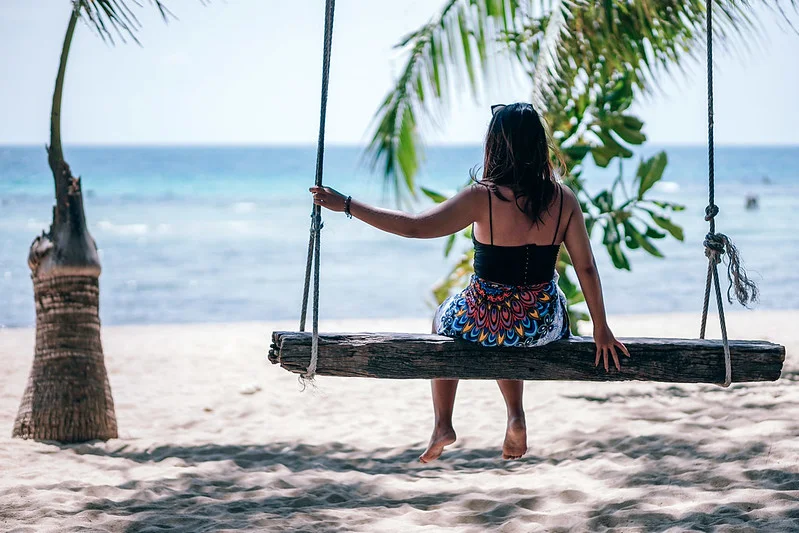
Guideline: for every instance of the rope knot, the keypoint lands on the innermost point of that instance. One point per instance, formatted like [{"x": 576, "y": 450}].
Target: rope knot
[
  {"x": 316, "y": 223},
  {"x": 711, "y": 211},
  {"x": 714, "y": 246}
]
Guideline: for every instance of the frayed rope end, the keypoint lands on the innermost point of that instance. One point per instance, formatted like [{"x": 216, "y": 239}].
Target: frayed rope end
[{"x": 746, "y": 291}]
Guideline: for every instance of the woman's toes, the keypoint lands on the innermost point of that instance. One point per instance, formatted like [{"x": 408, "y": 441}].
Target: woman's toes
[{"x": 438, "y": 441}]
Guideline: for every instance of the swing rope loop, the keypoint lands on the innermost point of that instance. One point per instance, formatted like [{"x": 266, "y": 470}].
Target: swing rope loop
[
  {"x": 710, "y": 212},
  {"x": 314, "y": 243}
]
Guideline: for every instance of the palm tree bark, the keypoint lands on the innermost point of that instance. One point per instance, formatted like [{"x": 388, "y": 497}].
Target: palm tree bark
[{"x": 68, "y": 396}]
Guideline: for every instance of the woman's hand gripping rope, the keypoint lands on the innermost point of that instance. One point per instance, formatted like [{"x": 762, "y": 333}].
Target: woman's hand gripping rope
[{"x": 328, "y": 198}]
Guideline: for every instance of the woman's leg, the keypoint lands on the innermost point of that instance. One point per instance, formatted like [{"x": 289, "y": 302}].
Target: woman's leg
[
  {"x": 443, "y": 401},
  {"x": 515, "y": 444},
  {"x": 443, "y": 434}
]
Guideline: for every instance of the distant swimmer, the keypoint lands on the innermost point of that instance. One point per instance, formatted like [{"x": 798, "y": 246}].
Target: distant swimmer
[{"x": 752, "y": 202}]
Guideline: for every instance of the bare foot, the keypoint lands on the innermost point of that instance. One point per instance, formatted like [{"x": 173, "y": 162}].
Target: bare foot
[
  {"x": 441, "y": 437},
  {"x": 515, "y": 444}
]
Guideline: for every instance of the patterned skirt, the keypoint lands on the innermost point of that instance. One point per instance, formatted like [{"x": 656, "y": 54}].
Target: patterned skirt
[{"x": 493, "y": 314}]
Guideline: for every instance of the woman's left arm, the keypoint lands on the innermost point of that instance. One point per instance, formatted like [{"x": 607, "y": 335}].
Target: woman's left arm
[{"x": 446, "y": 218}]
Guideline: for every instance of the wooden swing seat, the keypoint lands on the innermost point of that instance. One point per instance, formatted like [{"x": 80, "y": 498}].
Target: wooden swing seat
[{"x": 425, "y": 356}]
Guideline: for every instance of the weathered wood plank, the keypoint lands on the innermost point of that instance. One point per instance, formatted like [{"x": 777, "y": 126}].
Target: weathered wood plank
[{"x": 419, "y": 356}]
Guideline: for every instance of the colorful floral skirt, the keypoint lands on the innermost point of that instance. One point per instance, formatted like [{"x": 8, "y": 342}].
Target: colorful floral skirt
[{"x": 493, "y": 314}]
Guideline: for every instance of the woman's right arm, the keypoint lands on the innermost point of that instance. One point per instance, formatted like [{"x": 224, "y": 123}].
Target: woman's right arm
[{"x": 578, "y": 245}]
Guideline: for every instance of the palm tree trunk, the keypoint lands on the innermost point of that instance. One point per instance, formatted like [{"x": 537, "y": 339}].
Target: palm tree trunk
[{"x": 68, "y": 397}]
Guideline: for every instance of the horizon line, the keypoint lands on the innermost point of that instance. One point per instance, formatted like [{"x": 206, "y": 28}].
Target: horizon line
[{"x": 364, "y": 145}]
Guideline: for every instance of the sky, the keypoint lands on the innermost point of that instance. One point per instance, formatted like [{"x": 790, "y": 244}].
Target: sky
[{"x": 248, "y": 72}]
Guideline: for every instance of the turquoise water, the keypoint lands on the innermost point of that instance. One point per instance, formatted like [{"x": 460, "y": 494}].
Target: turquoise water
[{"x": 213, "y": 234}]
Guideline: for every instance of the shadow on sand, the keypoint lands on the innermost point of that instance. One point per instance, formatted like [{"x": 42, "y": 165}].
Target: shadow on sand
[{"x": 298, "y": 487}]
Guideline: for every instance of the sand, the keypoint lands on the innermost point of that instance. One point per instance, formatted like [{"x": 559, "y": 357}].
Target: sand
[{"x": 214, "y": 438}]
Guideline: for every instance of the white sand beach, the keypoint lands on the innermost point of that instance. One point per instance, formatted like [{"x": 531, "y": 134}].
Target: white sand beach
[{"x": 214, "y": 438}]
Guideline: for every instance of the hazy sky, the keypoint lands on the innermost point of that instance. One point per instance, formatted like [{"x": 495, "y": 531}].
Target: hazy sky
[{"x": 247, "y": 71}]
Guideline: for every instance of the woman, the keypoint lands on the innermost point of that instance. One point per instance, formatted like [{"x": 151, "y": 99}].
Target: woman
[{"x": 520, "y": 216}]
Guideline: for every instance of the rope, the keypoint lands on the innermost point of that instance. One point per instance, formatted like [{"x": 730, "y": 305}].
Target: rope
[
  {"x": 314, "y": 243},
  {"x": 308, "y": 266},
  {"x": 717, "y": 244}
]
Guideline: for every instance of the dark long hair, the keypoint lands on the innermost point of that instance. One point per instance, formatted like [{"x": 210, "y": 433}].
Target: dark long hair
[{"x": 517, "y": 156}]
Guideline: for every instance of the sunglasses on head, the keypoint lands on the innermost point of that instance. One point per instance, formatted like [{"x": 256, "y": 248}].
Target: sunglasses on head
[{"x": 496, "y": 108}]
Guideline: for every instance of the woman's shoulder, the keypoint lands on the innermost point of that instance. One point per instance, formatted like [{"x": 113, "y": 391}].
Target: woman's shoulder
[
  {"x": 569, "y": 198},
  {"x": 472, "y": 195},
  {"x": 571, "y": 204},
  {"x": 476, "y": 189}
]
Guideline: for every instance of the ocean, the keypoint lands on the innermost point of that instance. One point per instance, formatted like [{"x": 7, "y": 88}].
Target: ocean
[{"x": 218, "y": 234}]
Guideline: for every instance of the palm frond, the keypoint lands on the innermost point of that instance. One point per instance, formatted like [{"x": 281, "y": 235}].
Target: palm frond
[
  {"x": 116, "y": 19},
  {"x": 458, "y": 46},
  {"x": 547, "y": 61},
  {"x": 563, "y": 45}
]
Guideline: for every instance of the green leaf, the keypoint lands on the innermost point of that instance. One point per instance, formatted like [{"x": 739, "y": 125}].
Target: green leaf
[
  {"x": 407, "y": 157},
  {"x": 640, "y": 240},
  {"x": 621, "y": 96},
  {"x": 611, "y": 144},
  {"x": 675, "y": 230},
  {"x": 630, "y": 136},
  {"x": 467, "y": 50},
  {"x": 577, "y": 298},
  {"x": 565, "y": 283},
  {"x": 650, "y": 172},
  {"x": 618, "y": 257},
  {"x": 437, "y": 197},
  {"x": 629, "y": 129},
  {"x": 468, "y": 232},
  {"x": 669, "y": 205},
  {"x": 652, "y": 233},
  {"x": 450, "y": 243},
  {"x": 649, "y": 247},
  {"x": 604, "y": 201},
  {"x": 581, "y": 104},
  {"x": 629, "y": 236},
  {"x": 603, "y": 155},
  {"x": 576, "y": 152},
  {"x": 632, "y": 123}
]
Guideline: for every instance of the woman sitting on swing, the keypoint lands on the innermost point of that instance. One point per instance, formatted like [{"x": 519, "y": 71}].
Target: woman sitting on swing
[{"x": 520, "y": 216}]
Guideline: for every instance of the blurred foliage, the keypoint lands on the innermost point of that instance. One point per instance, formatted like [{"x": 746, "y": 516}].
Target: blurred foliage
[
  {"x": 587, "y": 61},
  {"x": 560, "y": 44}
]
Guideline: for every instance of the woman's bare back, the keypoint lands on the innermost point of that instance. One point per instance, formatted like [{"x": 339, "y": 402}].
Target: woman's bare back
[{"x": 512, "y": 227}]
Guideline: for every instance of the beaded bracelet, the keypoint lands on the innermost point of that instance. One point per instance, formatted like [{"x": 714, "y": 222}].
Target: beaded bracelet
[{"x": 347, "y": 203}]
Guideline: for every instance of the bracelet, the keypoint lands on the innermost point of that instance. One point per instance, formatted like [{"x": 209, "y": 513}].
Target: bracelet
[{"x": 347, "y": 203}]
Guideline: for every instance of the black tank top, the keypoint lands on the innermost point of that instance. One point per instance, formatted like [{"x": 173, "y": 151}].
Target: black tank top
[{"x": 530, "y": 264}]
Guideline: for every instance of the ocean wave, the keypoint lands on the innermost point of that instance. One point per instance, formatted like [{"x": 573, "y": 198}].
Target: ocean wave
[
  {"x": 240, "y": 226},
  {"x": 668, "y": 186},
  {"x": 123, "y": 229},
  {"x": 244, "y": 207},
  {"x": 36, "y": 224}
]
